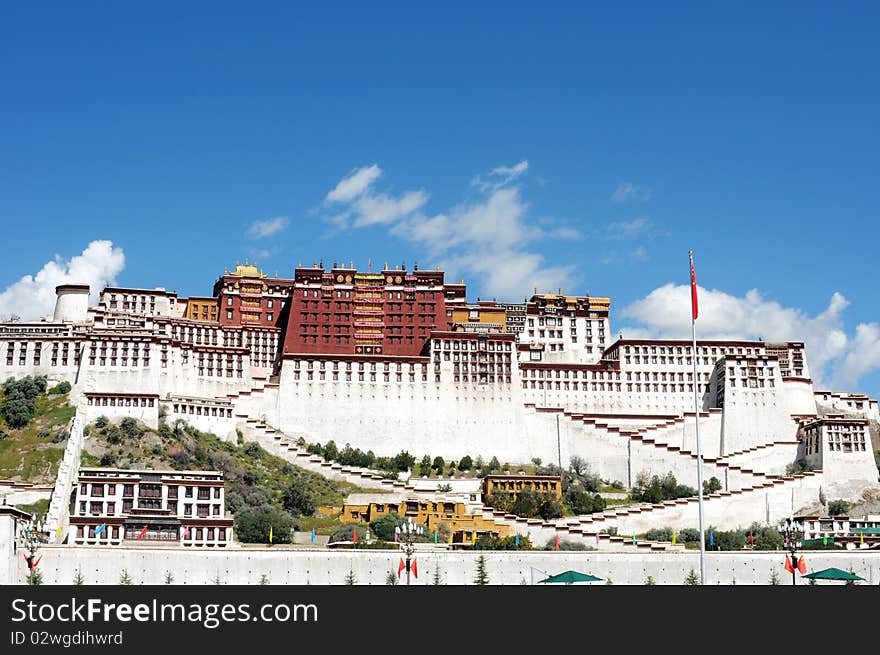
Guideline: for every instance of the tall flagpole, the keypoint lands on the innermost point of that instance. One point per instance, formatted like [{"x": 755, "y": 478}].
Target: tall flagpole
[{"x": 697, "y": 419}]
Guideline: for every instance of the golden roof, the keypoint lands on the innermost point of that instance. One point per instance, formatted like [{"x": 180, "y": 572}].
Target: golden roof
[{"x": 246, "y": 270}]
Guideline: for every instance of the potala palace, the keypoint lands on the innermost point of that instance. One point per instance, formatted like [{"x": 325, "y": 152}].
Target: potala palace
[{"x": 401, "y": 359}]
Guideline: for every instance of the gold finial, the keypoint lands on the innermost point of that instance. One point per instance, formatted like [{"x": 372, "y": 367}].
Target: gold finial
[
  {"x": 246, "y": 261},
  {"x": 386, "y": 267},
  {"x": 461, "y": 281},
  {"x": 351, "y": 263},
  {"x": 276, "y": 275}
]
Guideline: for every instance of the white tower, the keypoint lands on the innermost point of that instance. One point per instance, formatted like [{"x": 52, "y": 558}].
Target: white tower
[{"x": 71, "y": 303}]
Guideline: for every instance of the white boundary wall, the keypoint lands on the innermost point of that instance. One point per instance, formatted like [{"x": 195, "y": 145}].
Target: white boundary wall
[{"x": 322, "y": 567}]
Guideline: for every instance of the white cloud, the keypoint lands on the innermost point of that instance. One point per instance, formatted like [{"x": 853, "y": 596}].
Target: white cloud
[
  {"x": 640, "y": 254},
  {"x": 862, "y": 358},
  {"x": 627, "y": 191},
  {"x": 33, "y": 296},
  {"x": 638, "y": 227},
  {"x": 500, "y": 176},
  {"x": 382, "y": 208},
  {"x": 492, "y": 237},
  {"x": 262, "y": 229},
  {"x": 666, "y": 313},
  {"x": 356, "y": 183}
]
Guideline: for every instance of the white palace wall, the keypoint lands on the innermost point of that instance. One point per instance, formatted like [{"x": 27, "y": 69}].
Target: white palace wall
[{"x": 103, "y": 566}]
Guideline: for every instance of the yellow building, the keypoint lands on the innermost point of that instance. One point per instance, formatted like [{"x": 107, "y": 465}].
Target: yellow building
[
  {"x": 201, "y": 308},
  {"x": 484, "y": 316},
  {"x": 514, "y": 484},
  {"x": 363, "y": 508}
]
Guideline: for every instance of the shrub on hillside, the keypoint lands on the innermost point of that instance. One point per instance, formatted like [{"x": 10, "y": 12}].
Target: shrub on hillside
[
  {"x": 838, "y": 507},
  {"x": 101, "y": 422},
  {"x": 61, "y": 387},
  {"x": 130, "y": 428},
  {"x": 19, "y": 401},
  {"x": 297, "y": 499}
]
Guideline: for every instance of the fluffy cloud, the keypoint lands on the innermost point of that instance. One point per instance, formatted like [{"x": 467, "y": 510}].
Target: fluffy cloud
[
  {"x": 627, "y": 191},
  {"x": 492, "y": 237},
  {"x": 358, "y": 181},
  {"x": 862, "y": 357},
  {"x": 33, "y": 296},
  {"x": 262, "y": 229},
  {"x": 365, "y": 206},
  {"x": 832, "y": 357}
]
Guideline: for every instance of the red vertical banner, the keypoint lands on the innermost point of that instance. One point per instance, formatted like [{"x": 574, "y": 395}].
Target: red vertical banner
[{"x": 694, "y": 310}]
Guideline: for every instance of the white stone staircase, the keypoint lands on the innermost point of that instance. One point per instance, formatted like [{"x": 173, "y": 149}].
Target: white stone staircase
[{"x": 58, "y": 514}]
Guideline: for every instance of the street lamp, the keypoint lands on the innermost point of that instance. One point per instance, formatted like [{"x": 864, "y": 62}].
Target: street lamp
[
  {"x": 407, "y": 534},
  {"x": 791, "y": 532}
]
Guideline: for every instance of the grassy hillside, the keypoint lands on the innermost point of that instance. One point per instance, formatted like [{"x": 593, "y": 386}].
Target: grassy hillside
[
  {"x": 32, "y": 453},
  {"x": 258, "y": 484}
]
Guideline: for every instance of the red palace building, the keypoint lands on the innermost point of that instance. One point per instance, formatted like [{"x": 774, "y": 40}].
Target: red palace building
[{"x": 342, "y": 311}]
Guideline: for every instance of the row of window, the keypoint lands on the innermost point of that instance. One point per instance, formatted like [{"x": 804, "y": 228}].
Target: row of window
[
  {"x": 117, "y": 401},
  {"x": 614, "y": 386}
]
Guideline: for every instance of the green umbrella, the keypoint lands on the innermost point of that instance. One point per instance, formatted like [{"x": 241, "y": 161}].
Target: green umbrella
[
  {"x": 833, "y": 574},
  {"x": 571, "y": 576}
]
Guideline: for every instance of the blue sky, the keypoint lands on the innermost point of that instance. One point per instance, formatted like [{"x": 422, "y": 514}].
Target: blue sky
[{"x": 552, "y": 145}]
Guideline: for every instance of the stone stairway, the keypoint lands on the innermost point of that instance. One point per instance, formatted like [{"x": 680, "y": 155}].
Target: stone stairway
[
  {"x": 68, "y": 471},
  {"x": 724, "y": 510}
]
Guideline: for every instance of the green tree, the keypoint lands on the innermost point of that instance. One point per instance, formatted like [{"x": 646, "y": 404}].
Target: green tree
[
  {"x": 169, "y": 578},
  {"x": 425, "y": 465},
  {"x": 494, "y": 465},
  {"x": 383, "y": 526},
  {"x": 438, "y": 464},
  {"x": 35, "y": 577},
  {"x": 102, "y": 422},
  {"x": 711, "y": 485},
  {"x": 264, "y": 579},
  {"x": 253, "y": 525},
  {"x": 482, "y": 575},
  {"x": 774, "y": 578},
  {"x": 437, "y": 580},
  {"x": 838, "y": 507},
  {"x": 350, "y": 577},
  {"x": 60, "y": 388},
  {"x": 391, "y": 578},
  {"x": 298, "y": 499},
  {"x": 125, "y": 578},
  {"x": 466, "y": 463},
  {"x": 331, "y": 452},
  {"x": 129, "y": 427},
  {"x": 650, "y": 581},
  {"x": 78, "y": 579},
  {"x": 692, "y": 578}
]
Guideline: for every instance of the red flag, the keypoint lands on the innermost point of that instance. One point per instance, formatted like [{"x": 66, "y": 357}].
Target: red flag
[
  {"x": 752, "y": 540},
  {"x": 395, "y": 537},
  {"x": 354, "y": 537},
  {"x": 142, "y": 533},
  {"x": 557, "y": 542},
  {"x": 400, "y": 567},
  {"x": 802, "y": 565},
  {"x": 414, "y": 569},
  {"x": 788, "y": 566},
  {"x": 694, "y": 311}
]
